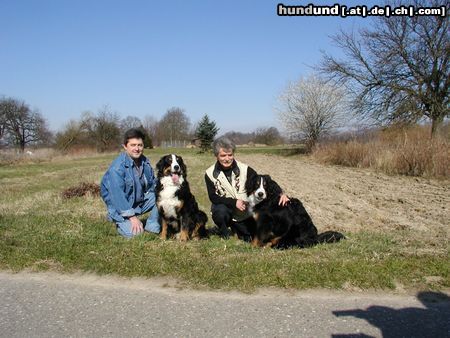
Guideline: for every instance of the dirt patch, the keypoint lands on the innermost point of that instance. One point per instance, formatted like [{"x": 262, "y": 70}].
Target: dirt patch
[{"x": 349, "y": 199}]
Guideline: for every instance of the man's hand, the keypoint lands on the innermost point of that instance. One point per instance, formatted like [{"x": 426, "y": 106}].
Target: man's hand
[
  {"x": 136, "y": 225},
  {"x": 241, "y": 205},
  {"x": 284, "y": 200}
]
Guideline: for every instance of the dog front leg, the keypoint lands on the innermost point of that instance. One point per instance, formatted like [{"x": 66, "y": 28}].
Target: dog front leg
[
  {"x": 184, "y": 234},
  {"x": 184, "y": 229},
  {"x": 164, "y": 227},
  {"x": 256, "y": 243},
  {"x": 273, "y": 242},
  {"x": 198, "y": 230}
]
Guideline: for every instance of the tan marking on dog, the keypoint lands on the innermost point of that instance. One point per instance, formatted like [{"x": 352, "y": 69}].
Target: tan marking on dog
[
  {"x": 164, "y": 226},
  {"x": 256, "y": 216},
  {"x": 256, "y": 243},
  {"x": 184, "y": 235},
  {"x": 195, "y": 233},
  {"x": 273, "y": 242}
]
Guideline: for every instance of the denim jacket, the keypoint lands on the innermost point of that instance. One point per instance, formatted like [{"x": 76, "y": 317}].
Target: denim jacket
[{"x": 118, "y": 188}]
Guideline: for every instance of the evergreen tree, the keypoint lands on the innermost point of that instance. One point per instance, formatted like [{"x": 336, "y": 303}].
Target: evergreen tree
[{"x": 206, "y": 131}]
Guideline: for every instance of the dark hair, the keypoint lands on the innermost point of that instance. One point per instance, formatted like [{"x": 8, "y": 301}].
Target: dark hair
[{"x": 133, "y": 133}]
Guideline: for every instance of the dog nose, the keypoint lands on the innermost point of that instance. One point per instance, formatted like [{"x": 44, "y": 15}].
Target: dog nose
[
  {"x": 176, "y": 167},
  {"x": 260, "y": 194}
]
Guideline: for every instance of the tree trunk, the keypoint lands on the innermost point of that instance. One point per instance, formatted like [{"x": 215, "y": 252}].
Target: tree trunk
[
  {"x": 436, "y": 123},
  {"x": 310, "y": 143}
]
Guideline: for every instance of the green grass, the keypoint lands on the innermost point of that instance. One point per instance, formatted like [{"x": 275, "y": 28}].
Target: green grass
[{"x": 41, "y": 231}]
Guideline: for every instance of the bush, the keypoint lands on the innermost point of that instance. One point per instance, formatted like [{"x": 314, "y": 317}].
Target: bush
[{"x": 405, "y": 151}]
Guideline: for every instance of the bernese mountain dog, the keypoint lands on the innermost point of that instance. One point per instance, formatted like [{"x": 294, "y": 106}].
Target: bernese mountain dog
[
  {"x": 281, "y": 226},
  {"x": 179, "y": 214}
]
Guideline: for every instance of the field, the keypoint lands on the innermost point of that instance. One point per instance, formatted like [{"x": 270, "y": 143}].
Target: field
[{"x": 397, "y": 228}]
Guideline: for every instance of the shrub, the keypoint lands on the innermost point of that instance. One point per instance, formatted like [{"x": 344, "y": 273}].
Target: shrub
[{"x": 406, "y": 151}]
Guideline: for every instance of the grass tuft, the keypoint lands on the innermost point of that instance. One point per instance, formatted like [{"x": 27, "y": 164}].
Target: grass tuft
[{"x": 83, "y": 189}]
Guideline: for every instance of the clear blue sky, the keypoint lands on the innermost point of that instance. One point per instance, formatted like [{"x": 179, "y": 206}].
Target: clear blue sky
[{"x": 228, "y": 59}]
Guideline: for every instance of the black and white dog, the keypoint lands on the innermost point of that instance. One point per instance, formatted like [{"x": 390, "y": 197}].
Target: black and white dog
[
  {"x": 281, "y": 226},
  {"x": 178, "y": 210}
]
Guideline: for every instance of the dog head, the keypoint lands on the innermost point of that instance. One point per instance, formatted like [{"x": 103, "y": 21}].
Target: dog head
[
  {"x": 171, "y": 166},
  {"x": 260, "y": 188}
]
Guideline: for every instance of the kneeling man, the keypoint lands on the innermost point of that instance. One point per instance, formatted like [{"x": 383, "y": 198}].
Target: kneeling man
[{"x": 128, "y": 188}]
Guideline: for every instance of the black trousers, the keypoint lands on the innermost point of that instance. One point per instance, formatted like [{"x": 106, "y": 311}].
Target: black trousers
[{"x": 223, "y": 218}]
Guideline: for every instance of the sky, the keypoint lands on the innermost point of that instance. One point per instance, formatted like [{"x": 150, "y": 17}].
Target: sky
[{"x": 229, "y": 59}]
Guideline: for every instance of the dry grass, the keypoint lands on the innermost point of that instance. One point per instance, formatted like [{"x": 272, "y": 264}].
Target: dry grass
[
  {"x": 31, "y": 155},
  {"x": 82, "y": 189},
  {"x": 405, "y": 151}
]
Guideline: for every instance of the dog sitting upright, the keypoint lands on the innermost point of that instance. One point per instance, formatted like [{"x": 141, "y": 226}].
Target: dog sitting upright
[
  {"x": 281, "y": 226},
  {"x": 178, "y": 210}
]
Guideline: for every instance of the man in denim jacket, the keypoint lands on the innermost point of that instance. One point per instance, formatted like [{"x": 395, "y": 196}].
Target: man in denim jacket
[{"x": 128, "y": 188}]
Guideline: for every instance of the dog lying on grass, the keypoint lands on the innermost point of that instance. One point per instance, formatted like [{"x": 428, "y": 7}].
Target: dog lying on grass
[{"x": 278, "y": 226}]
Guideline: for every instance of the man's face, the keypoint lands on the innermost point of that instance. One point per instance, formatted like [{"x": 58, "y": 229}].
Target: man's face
[
  {"x": 134, "y": 147},
  {"x": 225, "y": 158}
]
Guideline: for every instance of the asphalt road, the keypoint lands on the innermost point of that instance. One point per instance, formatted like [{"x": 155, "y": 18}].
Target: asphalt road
[{"x": 52, "y": 305}]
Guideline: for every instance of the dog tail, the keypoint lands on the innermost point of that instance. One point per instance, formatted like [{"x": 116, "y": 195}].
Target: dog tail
[{"x": 330, "y": 237}]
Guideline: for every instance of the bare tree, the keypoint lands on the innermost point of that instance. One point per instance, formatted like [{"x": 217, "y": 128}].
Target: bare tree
[
  {"x": 398, "y": 71},
  {"x": 130, "y": 122},
  {"x": 151, "y": 125},
  {"x": 103, "y": 128},
  {"x": 239, "y": 137},
  {"x": 2, "y": 121},
  {"x": 73, "y": 134},
  {"x": 269, "y": 136},
  {"x": 22, "y": 125},
  {"x": 311, "y": 108},
  {"x": 174, "y": 125}
]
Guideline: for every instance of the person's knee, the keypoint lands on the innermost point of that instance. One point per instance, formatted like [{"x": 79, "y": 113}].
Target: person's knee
[
  {"x": 221, "y": 214},
  {"x": 243, "y": 228},
  {"x": 124, "y": 229},
  {"x": 125, "y": 232}
]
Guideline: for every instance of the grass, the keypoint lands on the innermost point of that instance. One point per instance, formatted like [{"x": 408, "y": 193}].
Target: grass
[{"x": 39, "y": 230}]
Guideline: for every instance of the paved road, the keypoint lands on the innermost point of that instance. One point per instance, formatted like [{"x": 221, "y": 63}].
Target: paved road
[{"x": 51, "y": 305}]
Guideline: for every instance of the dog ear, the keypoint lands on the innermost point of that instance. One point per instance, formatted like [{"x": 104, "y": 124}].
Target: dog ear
[
  {"x": 250, "y": 184},
  {"x": 160, "y": 166},
  {"x": 273, "y": 189},
  {"x": 182, "y": 165}
]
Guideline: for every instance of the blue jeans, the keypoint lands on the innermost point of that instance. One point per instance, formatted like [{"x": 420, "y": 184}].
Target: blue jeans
[{"x": 151, "y": 225}]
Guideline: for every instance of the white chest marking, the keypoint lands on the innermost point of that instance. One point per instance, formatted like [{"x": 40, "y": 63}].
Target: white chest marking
[{"x": 167, "y": 199}]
